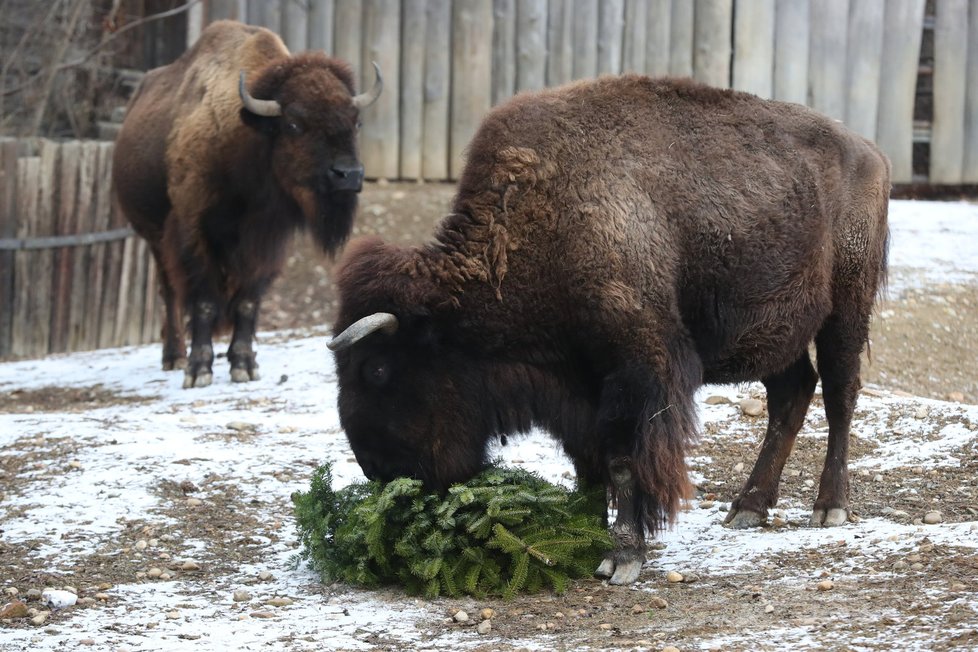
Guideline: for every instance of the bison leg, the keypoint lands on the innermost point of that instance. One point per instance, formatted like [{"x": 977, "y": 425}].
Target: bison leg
[
  {"x": 838, "y": 364},
  {"x": 202, "y": 320},
  {"x": 241, "y": 355},
  {"x": 623, "y": 564},
  {"x": 174, "y": 350},
  {"x": 788, "y": 396}
]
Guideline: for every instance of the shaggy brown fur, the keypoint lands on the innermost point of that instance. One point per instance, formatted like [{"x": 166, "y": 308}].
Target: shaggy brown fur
[
  {"x": 218, "y": 191},
  {"x": 614, "y": 245}
]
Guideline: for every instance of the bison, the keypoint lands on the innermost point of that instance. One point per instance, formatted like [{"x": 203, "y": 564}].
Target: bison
[
  {"x": 615, "y": 244},
  {"x": 217, "y": 181}
]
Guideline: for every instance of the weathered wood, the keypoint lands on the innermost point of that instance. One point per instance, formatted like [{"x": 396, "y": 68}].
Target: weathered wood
[
  {"x": 195, "y": 23},
  {"x": 681, "y": 38},
  {"x": 658, "y": 19},
  {"x": 43, "y": 260},
  {"x": 712, "y": 31},
  {"x": 137, "y": 294},
  {"x": 382, "y": 44},
  {"x": 320, "y": 34},
  {"x": 437, "y": 68},
  {"x": 267, "y": 13},
  {"x": 585, "y": 38},
  {"x": 503, "y": 50},
  {"x": 224, "y": 9},
  {"x": 348, "y": 32},
  {"x": 412, "y": 87},
  {"x": 611, "y": 16},
  {"x": 109, "y": 311},
  {"x": 23, "y": 331},
  {"x": 560, "y": 46},
  {"x": 295, "y": 26},
  {"x": 101, "y": 214},
  {"x": 66, "y": 224},
  {"x": 471, "y": 74},
  {"x": 633, "y": 39},
  {"x": 753, "y": 62},
  {"x": 792, "y": 35},
  {"x": 79, "y": 338},
  {"x": 531, "y": 44},
  {"x": 950, "y": 74},
  {"x": 150, "y": 294},
  {"x": 10, "y": 151},
  {"x": 827, "y": 62},
  {"x": 864, "y": 63},
  {"x": 970, "y": 172}
]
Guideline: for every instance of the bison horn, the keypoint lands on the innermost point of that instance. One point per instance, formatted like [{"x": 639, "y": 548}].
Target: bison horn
[
  {"x": 384, "y": 322},
  {"x": 363, "y": 100},
  {"x": 266, "y": 108}
]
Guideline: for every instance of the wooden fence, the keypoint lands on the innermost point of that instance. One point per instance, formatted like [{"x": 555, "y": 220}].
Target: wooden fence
[
  {"x": 71, "y": 279},
  {"x": 447, "y": 62}
]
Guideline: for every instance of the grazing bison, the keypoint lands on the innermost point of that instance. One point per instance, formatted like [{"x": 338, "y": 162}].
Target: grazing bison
[
  {"x": 615, "y": 244},
  {"x": 217, "y": 181}
]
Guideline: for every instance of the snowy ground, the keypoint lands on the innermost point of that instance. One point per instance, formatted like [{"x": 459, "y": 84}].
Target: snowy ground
[{"x": 89, "y": 484}]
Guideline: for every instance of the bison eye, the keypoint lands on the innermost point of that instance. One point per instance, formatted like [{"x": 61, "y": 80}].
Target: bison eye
[
  {"x": 376, "y": 372},
  {"x": 292, "y": 127}
]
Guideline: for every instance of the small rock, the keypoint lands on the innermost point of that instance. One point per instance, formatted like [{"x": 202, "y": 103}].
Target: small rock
[
  {"x": 241, "y": 596},
  {"x": 141, "y": 545},
  {"x": 487, "y": 613},
  {"x": 194, "y": 502},
  {"x": 86, "y": 602},
  {"x": 752, "y": 407},
  {"x": 638, "y": 609},
  {"x": 104, "y": 586},
  {"x": 658, "y": 603},
  {"x": 484, "y": 627},
  {"x": 58, "y": 599},
  {"x": 10, "y": 591},
  {"x": 933, "y": 517},
  {"x": 738, "y": 467},
  {"x": 717, "y": 400},
  {"x": 878, "y": 477},
  {"x": 921, "y": 412},
  {"x": 241, "y": 426},
  {"x": 605, "y": 626},
  {"x": 674, "y": 577},
  {"x": 154, "y": 572},
  {"x": 825, "y": 585},
  {"x": 279, "y": 601},
  {"x": 707, "y": 504},
  {"x": 87, "y": 641},
  {"x": 689, "y": 577},
  {"x": 165, "y": 576},
  {"x": 265, "y": 576},
  {"x": 956, "y": 397},
  {"x": 900, "y": 565},
  {"x": 917, "y": 566},
  {"x": 777, "y": 521},
  {"x": 172, "y": 615},
  {"x": 188, "y": 487},
  {"x": 460, "y": 617},
  {"x": 189, "y": 566},
  {"x": 102, "y": 597},
  {"x": 958, "y": 586},
  {"x": 15, "y": 609},
  {"x": 670, "y": 648},
  {"x": 40, "y": 618},
  {"x": 33, "y": 594}
]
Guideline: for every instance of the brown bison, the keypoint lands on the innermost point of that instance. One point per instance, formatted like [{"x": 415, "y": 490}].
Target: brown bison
[
  {"x": 615, "y": 244},
  {"x": 217, "y": 181}
]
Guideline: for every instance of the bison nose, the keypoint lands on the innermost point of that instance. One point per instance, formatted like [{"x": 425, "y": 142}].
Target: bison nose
[{"x": 346, "y": 177}]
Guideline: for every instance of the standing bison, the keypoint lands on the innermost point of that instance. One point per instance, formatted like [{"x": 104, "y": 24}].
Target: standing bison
[
  {"x": 615, "y": 244},
  {"x": 217, "y": 181}
]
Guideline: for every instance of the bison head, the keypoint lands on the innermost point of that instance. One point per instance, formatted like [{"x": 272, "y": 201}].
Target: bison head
[{"x": 308, "y": 118}]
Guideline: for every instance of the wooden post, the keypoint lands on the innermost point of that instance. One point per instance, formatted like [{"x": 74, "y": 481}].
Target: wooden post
[
  {"x": 101, "y": 214},
  {"x": 9, "y": 153},
  {"x": 109, "y": 332},
  {"x": 503, "y": 50},
  {"x": 382, "y": 43},
  {"x": 560, "y": 48},
  {"x": 42, "y": 277},
  {"x": 295, "y": 26},
  {"x": 437, "y": 67},
  {"x": 864, "y": 55},
  {"x": 320, "y": 36},
  {"x": 195, "y": 23},
  {"x": 753, "y": 62},
  {"x": 266, "y": 13},
  {"x": 531, "y": 44},
  {"x": 902, "y": 34},
  {"x": 633, "y": 44},
  {"x": 412, "y": 87},
  {"x": 471, "y": 74},
  {"x": 610, "y": 18},
  {"x": 970, "y": 172},
  {"x": 348, "y": 32},
  {"x": 658, "y": 19},
  {"x": 66, "y": 224},
  {"x": 792, "y": 34},
  {"x": 222, "y": 9},
  {"x": 712, "y": 32},
  {"x": 950, "y": 70},
  {"x": 82, "y": 293},
  {"x": 585, "y": 38},
  {"x": 827, "y": 61},
  {"x": 681, "y": 38},
  {"x": 24, "y": 337}
]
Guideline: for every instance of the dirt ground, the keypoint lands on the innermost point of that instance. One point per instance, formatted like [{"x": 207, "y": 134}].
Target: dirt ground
[{"x": 923, "y": 343}]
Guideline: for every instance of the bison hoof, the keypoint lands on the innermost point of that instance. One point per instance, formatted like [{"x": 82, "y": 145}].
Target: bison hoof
[
  {"x": 242, "y": 375},
  {"x": 176, "y": 363},
  {"x": 202, "y": 379},
  {"x": 625, "y": 571},
  {"x": 829, "y": 517},
  {"x": 742, "y": 519}
]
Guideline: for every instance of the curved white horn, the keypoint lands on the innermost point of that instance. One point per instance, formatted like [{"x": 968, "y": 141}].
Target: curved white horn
[
  {"x": 266, "y": 108},
  {"x": 363, "y": 100},
  {"x": 384, "y": 322}
]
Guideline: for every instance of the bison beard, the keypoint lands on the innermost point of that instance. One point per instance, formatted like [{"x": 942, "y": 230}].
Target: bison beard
[{"x": 614, "y": 244}]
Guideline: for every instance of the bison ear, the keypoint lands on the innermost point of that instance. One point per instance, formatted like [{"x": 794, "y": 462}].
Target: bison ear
[{"x": 261, "y": 124}]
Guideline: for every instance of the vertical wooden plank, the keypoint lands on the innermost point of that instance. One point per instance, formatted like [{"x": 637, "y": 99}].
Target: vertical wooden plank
[
  {"x": 295, "y": 26},
  {"x": 471, "y": 74},
  {"x": 9, "y": 153},
  {"x": 348, "y": 32},
  {"x": 560, "y": 48},
  {"x": 633, "y": 43},
  {"x": 66, "y": 224},
  {"x": 195, "y": 23},
  {"x": 42, "y": 276},
  {"x": 503, "y": 50},
  {"x": 792, "y": 35},
  {"x": 827, "y": 61},
  {"x": 531, "y": 44},
  {"x": 437, "y": 67},
  {"x": 79, "y": 338},
  {"x": 267, "y": 13},
  {"x": 101, "y": 213},
  {"x": 658, "y": 20},
  {"x": 108, "y": 333},
  {"x": 713, "y": 29},
  {"x": 23, "y": 329},
  {"x": 412, "y": 87},
  {"x": 320, "y": 35},
  {"x": 223, "y": 9},
  {"x": 970, "y": 172},
  {"x": 585, "y": 38},
  {"x": 753, "y": 62},
  {"x": 864, "y": 54},
  {"x": 150, "y": 292},
  {"x": 681, "y": 38},
  {"x": 137, "y": 294},
  {"x": 611, "y": 15},
  {"x": 950, "y": 70},
  {"x": 379, "y": 144},
  {"x": 902, "y": 31}
]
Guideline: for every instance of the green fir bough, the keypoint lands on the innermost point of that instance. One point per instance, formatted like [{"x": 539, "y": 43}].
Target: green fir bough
[{"x": 504, "y": 532}]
